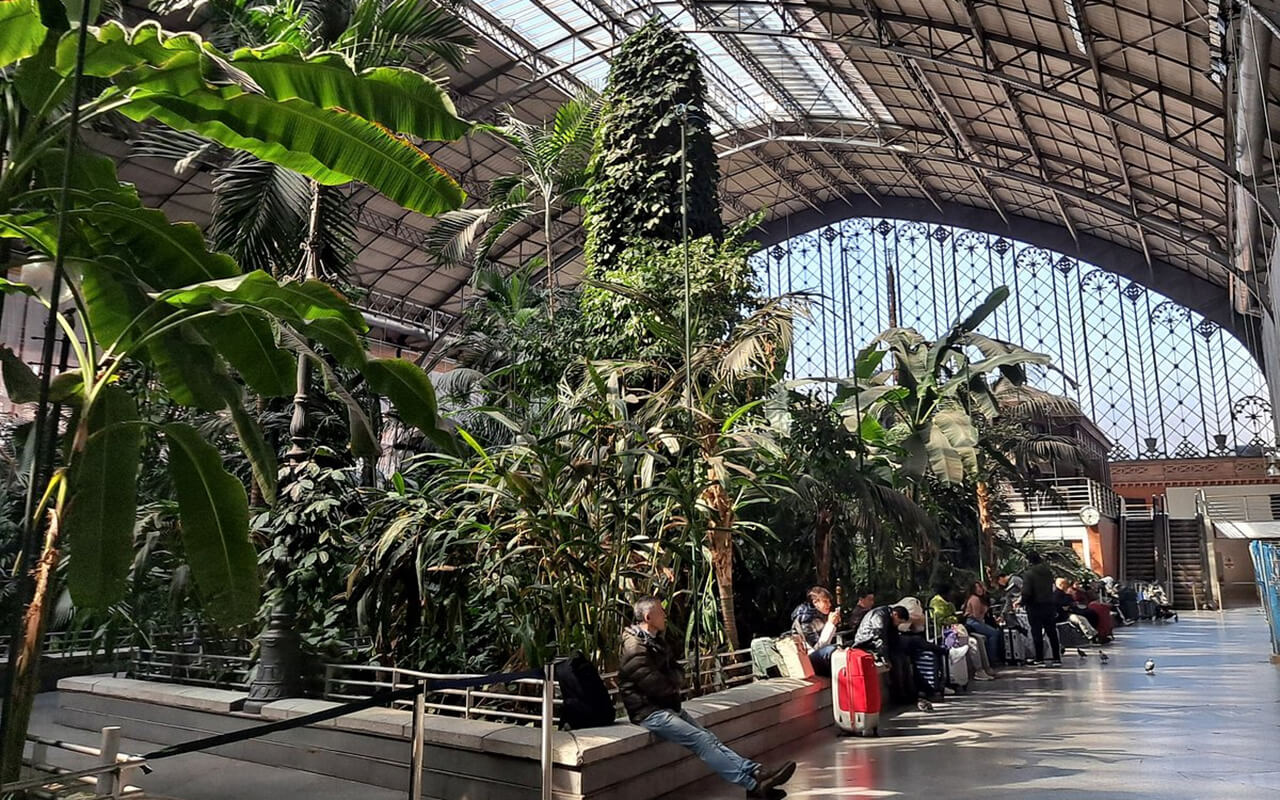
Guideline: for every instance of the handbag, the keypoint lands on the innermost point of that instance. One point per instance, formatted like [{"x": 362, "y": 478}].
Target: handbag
[{"x": 795, "y": 657}]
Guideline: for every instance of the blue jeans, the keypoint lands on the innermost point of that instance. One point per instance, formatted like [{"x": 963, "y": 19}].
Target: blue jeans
[
  {"x": 821, "y": 660},
  {"x": 682, "y": 730},
  {"x": 993, "y": 638}
]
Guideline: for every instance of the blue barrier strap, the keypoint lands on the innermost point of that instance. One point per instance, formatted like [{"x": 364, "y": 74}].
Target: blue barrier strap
[{"x": 379, "y": 699}]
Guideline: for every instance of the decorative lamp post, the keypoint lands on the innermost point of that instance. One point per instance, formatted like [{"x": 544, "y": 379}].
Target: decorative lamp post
[{"x": 279, "y": 672}]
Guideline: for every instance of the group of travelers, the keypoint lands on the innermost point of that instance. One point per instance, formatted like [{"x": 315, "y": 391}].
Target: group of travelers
[{"x": 980, "y": 625}]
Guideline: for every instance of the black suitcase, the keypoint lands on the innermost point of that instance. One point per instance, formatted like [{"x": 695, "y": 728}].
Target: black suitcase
[
  {"x": 1015, "y": 648},
  {"x": 933, "y": 671},
  {"x": 585, "y": 702}
]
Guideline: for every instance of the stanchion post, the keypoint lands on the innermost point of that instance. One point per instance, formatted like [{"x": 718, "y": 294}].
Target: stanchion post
[
  {"x": 548, "y": 725},
  {"x": 415, "y": 760},
  {"x": 108, "y": 749}
]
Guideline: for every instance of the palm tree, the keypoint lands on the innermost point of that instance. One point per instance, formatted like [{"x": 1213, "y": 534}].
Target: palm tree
[
  {"x": 830, "y": 478},
  {"x": 267, "y": 216},
  {"x": 703, "y": 408},
  {"x": 553, "y": 158}
]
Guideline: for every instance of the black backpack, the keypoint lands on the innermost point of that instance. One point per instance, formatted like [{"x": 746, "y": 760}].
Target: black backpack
[{"x": 585, "y": 702}]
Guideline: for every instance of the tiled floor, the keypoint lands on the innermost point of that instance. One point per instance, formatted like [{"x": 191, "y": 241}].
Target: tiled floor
[{"x": 1206, "y": 724}]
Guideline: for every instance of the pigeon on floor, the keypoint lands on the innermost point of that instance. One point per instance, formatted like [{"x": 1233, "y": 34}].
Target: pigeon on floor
[
  {"x": 1103, "y": 657},
  {"x": 1150, "y": 666},
  {"x": 924, "y": 705},
  {"x": 1080, "y": 652}
]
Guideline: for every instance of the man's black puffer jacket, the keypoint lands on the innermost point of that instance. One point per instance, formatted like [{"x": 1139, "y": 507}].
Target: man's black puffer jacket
[{"x": 648, "y": 676}]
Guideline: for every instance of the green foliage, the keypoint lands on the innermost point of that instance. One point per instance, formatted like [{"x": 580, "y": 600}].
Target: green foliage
[
  {"x": 311, "y": 551},
  {"x": 635, "y": 194},
  {"x": 721, "y": 287},
  {"x": 99, "y": 511},
  {"x": 21, "y": 31},
  {"x": 932, "y": 394},
  {"x": 552, "y": 179}
]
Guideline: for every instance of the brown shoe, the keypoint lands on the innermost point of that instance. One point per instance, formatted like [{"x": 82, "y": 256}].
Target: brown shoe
[{"x": 766, "y": 779}]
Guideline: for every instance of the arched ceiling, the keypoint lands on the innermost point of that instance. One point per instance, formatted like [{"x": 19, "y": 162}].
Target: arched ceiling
[{"x": 1115, "y": 122}]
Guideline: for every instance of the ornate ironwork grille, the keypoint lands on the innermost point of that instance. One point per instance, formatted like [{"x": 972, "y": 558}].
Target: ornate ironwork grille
[{"x": 1158, "y": 379}]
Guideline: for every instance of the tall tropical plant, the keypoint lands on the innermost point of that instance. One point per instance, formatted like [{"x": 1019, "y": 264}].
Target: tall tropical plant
[
  {"x": 552, "y": 158},
  {"x": 931, "y": 393},
  {"x": 128, "y": 286},
  {"x": 656, "y": 88},
  {"x": 938, "y": 402},
  {"x": 705, "y": 407}
]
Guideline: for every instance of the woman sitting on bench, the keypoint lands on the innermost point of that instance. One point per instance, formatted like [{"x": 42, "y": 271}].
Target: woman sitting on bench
[{"x": 816, "y": 621}]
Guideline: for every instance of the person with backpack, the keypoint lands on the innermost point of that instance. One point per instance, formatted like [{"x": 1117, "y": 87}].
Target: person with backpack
[
  {"x": 650, "y": 681},
  {"x": 1037, "y": 599}
]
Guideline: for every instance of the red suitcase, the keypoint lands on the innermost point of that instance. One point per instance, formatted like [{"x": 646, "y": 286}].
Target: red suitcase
[{"x": 855, "y": 692}]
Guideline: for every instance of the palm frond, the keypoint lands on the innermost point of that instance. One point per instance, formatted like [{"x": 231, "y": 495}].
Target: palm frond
[
  {"x": 183, "y": 148},
  {"x": 417, "y": 32},
  {"x": 260, "y": 214},
  {"x": 1027, "y": 402},
  {"x": 759, "y": 341}
]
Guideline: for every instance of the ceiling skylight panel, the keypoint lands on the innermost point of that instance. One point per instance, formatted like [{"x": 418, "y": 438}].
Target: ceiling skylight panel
[
  {"x": 729, "y": 84},
  {"x": 562, "y": 30}
]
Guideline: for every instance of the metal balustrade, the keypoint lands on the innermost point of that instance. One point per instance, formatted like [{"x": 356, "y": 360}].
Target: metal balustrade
[
  {"x": 1064, "y": 495},
  {"x": 345, "y": 682},
  {"x": 214, "y": 670},
  {"x": 1240, "y": 508},
  {"x": 66, "y": 644},
  {"x": 107, "y": 777}
]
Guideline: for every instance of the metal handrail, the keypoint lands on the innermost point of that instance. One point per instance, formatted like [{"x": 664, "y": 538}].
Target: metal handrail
[
  {"x": 108, "y": 777},
  {"x": 194, "y": 668},
  {"x": 718, "y": 671}
]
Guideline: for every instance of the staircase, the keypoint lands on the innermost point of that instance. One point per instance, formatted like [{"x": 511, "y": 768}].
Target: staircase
[
  {"x": 1186, "y": 554},
  {"x": 1138, "y": 535}
]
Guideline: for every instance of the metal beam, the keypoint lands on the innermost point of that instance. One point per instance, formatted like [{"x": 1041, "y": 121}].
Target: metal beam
[
  {"x": 989, "y": 60},
  {"x": 1080, "y": 15},
  {"x": 773, "y": 86}
]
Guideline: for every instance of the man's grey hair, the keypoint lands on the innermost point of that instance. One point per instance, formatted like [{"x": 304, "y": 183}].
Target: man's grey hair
[{"x": 643, "y": 606}]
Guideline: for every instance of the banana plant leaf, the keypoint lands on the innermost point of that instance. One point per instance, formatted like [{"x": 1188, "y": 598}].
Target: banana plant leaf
[
  {"x": 21, "y": 31},
  {"x": 102, "y": 501},
  {"x": 214, "y": 513}
]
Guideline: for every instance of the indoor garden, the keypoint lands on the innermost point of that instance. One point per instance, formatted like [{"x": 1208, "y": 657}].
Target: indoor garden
[{"x": 202, "y": 440}]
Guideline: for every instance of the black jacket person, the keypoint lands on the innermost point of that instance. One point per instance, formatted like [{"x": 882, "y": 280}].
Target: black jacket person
[{"x": 650, "y": 680}]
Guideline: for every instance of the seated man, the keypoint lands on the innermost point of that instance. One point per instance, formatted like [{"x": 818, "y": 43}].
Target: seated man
[
  {"x": 1067, "y": 611},
  {"x": 816, "y": 622},
  {"x": 866, "y": 601},
  {"x": 1010, "y": 593},
  {"x": 878, "y": 634},
  {"x": 650, "y": 681}
]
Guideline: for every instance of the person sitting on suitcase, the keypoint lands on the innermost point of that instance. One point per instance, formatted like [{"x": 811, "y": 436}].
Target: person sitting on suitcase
[
  {"x": 650, "y": 680},
  {"x": 816, "y": 620}
]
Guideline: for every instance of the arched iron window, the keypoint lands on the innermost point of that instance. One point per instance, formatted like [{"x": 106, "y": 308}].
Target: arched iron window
[{"x": 1160, "y": 380}]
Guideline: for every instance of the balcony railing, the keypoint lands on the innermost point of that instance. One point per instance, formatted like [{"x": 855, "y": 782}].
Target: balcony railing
[
  {"x": 1240, "y": 508},
  {"x": 1063, "y": 496}
]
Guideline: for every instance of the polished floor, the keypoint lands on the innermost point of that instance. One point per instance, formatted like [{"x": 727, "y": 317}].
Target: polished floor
[{"x": 1205, "y": 724}]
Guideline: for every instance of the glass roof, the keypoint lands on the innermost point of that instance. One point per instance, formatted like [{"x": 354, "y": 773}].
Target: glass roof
[{"x": 754, "y": 77}]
